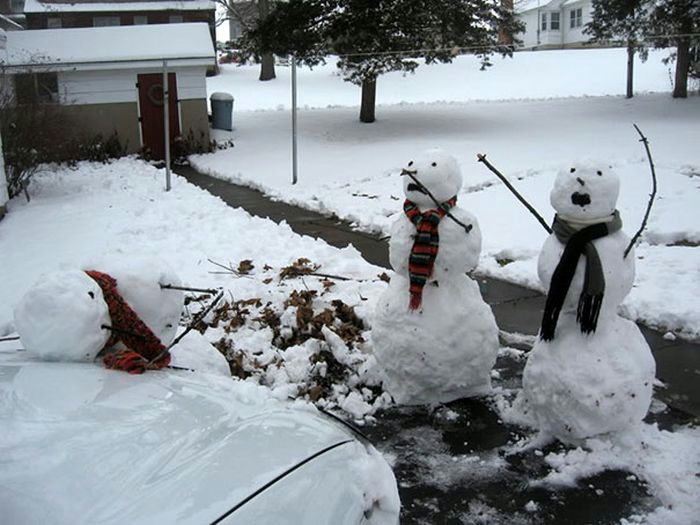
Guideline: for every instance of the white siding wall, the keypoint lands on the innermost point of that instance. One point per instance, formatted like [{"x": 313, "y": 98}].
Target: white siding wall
[
  {"x": 529, "y": 37},
  {"x": 107, "y": 87}
]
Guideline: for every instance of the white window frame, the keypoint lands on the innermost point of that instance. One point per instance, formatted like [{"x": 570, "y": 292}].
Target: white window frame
[
  {"x": 575, "y": 18},
  {"x": 176, "y": 19},
  {"x": 543, "y": 22},
  {"x": 54, "y": 22},
  {"x": 554, "y": 21},
  {"x": 140, "y": 20}
]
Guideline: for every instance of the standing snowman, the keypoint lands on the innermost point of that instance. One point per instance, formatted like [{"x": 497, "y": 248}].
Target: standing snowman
[
  {"x": 591, "y": 371},
  {"x": 433, "y": 335}
]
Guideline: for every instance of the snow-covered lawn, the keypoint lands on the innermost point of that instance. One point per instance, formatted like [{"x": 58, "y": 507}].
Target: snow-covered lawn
[{"x": 530, "y": 115}]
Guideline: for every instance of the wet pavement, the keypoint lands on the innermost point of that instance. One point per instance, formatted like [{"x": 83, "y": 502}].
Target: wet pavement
[{"x": 456, "y": 463}]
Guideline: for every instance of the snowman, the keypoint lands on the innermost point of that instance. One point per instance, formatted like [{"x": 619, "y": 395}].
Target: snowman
[
  {"x": 74, "y": 315},
  {"x": 591, "y": 371},
  {"x": 433, "y": 335}
]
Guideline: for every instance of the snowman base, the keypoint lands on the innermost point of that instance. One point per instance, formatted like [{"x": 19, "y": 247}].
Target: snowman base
[
  {"x": 441, "y": 352},
  {"x": 577, "y": 385}
]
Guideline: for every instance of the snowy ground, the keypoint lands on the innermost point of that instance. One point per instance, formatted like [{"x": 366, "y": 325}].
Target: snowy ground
[
  {"x": 530, "y": 115},
  {"x": 303, "y": 335}
]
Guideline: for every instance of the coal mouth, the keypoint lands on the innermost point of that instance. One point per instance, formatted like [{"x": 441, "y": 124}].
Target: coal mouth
[
  {"x": 580, "y": 199},
  {"x": 412, "y": 186}
]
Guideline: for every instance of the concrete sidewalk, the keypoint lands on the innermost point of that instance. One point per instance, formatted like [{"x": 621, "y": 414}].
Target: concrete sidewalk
[{"x": 517, "y": 309}]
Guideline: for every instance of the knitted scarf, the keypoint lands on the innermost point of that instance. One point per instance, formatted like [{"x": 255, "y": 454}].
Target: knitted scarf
[
  {"x": 425, "y": 246},
  {"x": 577, "y": 242},
  {"x": 127, "y": 327}
]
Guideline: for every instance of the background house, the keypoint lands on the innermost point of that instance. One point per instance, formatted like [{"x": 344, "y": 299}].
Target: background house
[
  {"x": 110, "y": 78},
  {"x": 54, "y": 14},
  {"x": 12, "y": 15},
  {"x": 554, "y": 23}
]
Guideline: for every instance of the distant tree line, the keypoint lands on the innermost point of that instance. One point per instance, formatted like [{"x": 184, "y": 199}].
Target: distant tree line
[{"x": 642, "y": 24}]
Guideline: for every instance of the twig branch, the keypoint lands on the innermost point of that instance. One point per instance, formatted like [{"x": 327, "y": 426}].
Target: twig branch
[
  {"x": 187, "y": 289},
  {"x": 229, "y": 269},
  {"x": 197, "y": 318},
  {"x": 651, "y": 197},
  {"x": 482, "y": 159},
  {"x": 11, "y": 338},
  {"x": 467, "y": 227}
]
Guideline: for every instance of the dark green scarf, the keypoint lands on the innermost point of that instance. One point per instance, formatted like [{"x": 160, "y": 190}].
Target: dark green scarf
[{"x": 577, "y": 243}]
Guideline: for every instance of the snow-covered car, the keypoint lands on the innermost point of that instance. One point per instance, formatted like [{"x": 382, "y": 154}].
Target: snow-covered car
[{"x": 83, "y": 444}]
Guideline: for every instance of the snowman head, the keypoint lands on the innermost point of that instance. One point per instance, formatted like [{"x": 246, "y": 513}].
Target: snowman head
[
  {"x": 436, "y": 171},
  {"x": 585, "y": 192}
]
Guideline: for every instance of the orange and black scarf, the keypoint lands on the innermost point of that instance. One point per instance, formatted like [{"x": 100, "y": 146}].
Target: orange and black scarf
[
  {"x": 425, "y": 246},
  {"x": 128, "y": 328}
]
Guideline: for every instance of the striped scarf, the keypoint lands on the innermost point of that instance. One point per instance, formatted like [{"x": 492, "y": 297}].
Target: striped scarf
[
  {"x": 425, "y": 246},
  {"x": 143, "y": 345}
]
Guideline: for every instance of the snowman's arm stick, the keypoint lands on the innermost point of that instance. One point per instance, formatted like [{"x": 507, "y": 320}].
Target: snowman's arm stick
[
  {"x": 482, "y": 158},
  {"x": 651, "y": 197},
  {"x": 197, "y": 318},
  {"x": 467, "y": 227},
  {"x": 187, "y": 289}
]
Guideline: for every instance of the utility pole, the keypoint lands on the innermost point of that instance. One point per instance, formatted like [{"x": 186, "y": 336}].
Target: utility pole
[{"x": 166, "y": 123}]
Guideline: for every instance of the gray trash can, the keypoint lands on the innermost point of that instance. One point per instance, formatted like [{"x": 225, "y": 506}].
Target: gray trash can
[{"x": 221, "y": 111}]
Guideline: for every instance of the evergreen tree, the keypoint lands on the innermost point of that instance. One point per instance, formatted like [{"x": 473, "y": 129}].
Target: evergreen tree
[
  {"x": 373, "y": 37},
  {"x": 621, "y": 20},
  {"x": 676, "y": 23}
]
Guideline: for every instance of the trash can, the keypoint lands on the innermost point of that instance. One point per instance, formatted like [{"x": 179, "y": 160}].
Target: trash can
[{"x": 221, "y": 111}]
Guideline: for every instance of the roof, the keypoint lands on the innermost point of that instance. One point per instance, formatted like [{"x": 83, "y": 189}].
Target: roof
[
  {"x": 75, "y": 6},
  {"x": 103, "y": 47},
  {"x": 521, "y": 6}
]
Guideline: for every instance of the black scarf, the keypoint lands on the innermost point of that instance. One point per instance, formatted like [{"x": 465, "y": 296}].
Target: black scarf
[{"x": 578, "y": 242}]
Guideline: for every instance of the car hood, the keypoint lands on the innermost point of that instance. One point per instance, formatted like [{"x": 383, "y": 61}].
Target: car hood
[{"x": 82, "y": 444}]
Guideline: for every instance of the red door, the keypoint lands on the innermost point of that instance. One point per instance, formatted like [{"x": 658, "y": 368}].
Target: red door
[{"x": 151, "y": 103}]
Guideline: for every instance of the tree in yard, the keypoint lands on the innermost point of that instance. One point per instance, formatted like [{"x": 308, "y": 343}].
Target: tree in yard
[
  {"x": 249, "y": 14},
  {"x": 373, "y": 37},
  {"x": 676, "y": 23},
  {"x": 625, "y": 20}
]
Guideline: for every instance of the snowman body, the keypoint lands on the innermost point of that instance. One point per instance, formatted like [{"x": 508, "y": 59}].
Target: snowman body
[
  {"x": 445, "y": 349},
  {"x": 578, "y": 384}
]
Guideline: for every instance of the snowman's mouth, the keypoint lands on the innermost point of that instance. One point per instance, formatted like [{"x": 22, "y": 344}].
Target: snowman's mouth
[
  {"x": 580, "y": 199},
  {"x": 412, "y": 186}
]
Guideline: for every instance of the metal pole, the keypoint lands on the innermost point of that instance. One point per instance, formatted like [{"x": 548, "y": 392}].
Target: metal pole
[
  {"x": 294, "y": 119},
  {"x": 166, "y": 122}
]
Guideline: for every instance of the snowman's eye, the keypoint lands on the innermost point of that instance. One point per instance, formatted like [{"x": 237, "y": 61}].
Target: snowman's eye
[
  {"x": 92, "y": 295},
  {"x": 572, "y": 170},
  {"x": 434, "y": 164},
  {"x": 599, "y": 173},
  {"x": 410, "y": 163}
]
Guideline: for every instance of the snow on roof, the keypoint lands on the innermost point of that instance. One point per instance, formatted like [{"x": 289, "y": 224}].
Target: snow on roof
[
  {"x": 89, "y": 45},
  {"x": 522, "y": 6},
  {"x": 66, "y": 6}
]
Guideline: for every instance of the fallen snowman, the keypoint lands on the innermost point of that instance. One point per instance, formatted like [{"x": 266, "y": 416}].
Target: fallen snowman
[
  {"x": 433, "y": 335},
  {"x": 123, "y": 308},
  {"x": 591, "y": 371}
]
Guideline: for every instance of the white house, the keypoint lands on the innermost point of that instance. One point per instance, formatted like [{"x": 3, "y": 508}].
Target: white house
[
  {"x": 110, "y": 79},
  {"x": 553, "y": 23}
]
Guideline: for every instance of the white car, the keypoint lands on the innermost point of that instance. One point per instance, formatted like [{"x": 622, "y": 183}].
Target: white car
[{"x": 83, "y": 444}]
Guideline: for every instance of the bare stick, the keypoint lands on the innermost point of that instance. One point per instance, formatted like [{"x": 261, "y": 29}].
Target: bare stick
[
  {"x": 651, "y": 197},
  {"x": 482, "y": 158},
  {"x": 197, "y": 318},
  {"x": 187, "y": 289},
  {"x": 12, "y": 338},
  {"x": 467, "y": 227},
  {"x": 229, "y": 269}
]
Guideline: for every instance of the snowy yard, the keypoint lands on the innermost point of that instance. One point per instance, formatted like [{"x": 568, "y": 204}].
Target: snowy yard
[{"x": 306, "y": 336}]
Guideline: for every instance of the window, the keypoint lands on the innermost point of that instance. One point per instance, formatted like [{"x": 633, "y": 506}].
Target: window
[
  {"x": 53, "y": 22},
  {"x": 140, "y": 20},
  {"x": 543, "y": 25},
  {"x": 36, "y": 87},
  {"x": 104, "y": 21},
  {"x": 554, "y": 21},
  {"x": 175, "y": 19},
  {"x": 575, "y": 18}
]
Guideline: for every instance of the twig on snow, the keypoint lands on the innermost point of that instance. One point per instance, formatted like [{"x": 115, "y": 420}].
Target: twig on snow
[
  {"x": 482, "y": 158},
  {"x": 651, "y": 196},
  {"x": 188, "y": 289}
]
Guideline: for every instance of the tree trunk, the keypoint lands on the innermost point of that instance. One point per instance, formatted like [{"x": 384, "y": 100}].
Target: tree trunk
[
  {"x": 267, "y": 62},
  {"x": 369, "y": 96},
  {"x": 267, "y": 67},
  {"x": 680, "y": 86},
  {"x": 630, "y": 69}
]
